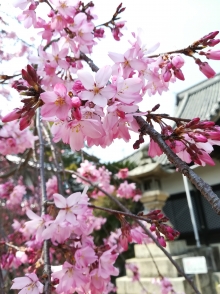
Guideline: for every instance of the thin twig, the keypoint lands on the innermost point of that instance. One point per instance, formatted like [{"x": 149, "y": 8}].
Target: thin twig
[
  {"x": 166, "y": 116},
  {"x": 156, "y": 266},
  {"x": 113, "y": 211},
  {"x": 131, "y": 215},
  {"x": 182, "y": 167},
  {"x": 53, "y": 150},
  {"x": 47, "y": 267}
]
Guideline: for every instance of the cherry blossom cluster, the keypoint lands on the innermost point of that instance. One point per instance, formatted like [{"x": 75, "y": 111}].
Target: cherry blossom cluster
[
  {"x": 15, "y": 141},
  {"x": 96, "y": 109},
  {"x": 11, "y": 194},
  {"x": 102, "y": 177},
  {"x": 191, "y": 141},
  {"x": 90, "y": 108},
  {"x": 86, "y": 266}
]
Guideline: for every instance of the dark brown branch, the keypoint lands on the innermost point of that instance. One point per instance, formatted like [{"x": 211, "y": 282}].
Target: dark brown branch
[
  {"x": 92, "y": 65},
  {"x": 182, "y": 167},
  {"x": 47, "y": 267},
  {"x": 50, "y": 43}
]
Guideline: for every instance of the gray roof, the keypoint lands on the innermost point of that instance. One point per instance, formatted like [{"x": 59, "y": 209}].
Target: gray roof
[{"x": 202, "y": 100}]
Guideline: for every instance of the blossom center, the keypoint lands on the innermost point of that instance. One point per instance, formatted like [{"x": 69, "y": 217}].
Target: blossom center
[
  {"x": 60, "y": 101},
  {"x": 76, "y": 128},
  {"x": 96, "y": 90},
  {"x": 56, "y": 58},
  {"x": 63, "y": 4}
]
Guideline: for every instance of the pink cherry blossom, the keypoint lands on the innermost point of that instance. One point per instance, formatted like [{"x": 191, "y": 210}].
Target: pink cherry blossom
[
  {"x": 64, "y": 7},
  {"x": 57, "y": 231},
  {"x": 106, "y": 261},
  {"x": 57, "y": 103},
  {"x": 37, "y": 224},
  {"x": 70, "y": 207},
  {"x": 30, "y": 283},
  {"x": 95, "y": 87},
  {"x": 57, "y": 58},
  {"x": 70, "y": 278},
  {"x": 85, "y": 256}
]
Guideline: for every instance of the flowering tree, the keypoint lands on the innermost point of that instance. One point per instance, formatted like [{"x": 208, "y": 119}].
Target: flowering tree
[{"x": 64, "y": 102}]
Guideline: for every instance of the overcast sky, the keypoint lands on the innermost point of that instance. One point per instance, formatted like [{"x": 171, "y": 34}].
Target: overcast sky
[{"x": 173, "y": 23}]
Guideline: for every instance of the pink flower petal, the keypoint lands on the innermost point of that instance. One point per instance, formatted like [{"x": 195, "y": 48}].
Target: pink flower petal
[
  {"x": 60, "y": 90},
  {"x": 103, "y": 75},
  {"x": 19, "y": 283},
  {"x": 86, "y": 78},
  {"x": 59, "y": 200},
  {"x": 48, "y": 97},
  {"x": 32, "y": 215}
]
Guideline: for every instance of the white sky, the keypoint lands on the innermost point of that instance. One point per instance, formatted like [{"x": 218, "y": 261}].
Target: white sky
[{"x": 175, "y": 24}]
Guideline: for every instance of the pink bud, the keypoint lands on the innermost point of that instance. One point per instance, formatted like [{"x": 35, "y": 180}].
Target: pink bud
[
  {"x": 205, "y": 124},
  {"x": 211, "y": 35},
  {"x": 179, "y": 74},
  {"x": 167, "y": 75},
  {"x": 215, "y": 55},
  {"x": 161, "y": 241},
  {"x": 214, "y": 135},
  {"x": 76, "y": 102},
  {"x": 12, "y": 115},
  {"x": 24, "y": 122},
  {"x": 206, "y": 69},
  {"x": 153, "y": 227},
  {"x": 198, "y": 137},
  {"x": 193, "y": 122},
  {"x": 32, "y": 72},
  {"x": 178, "y": 61},
  {"x": 212, "y": 43}
]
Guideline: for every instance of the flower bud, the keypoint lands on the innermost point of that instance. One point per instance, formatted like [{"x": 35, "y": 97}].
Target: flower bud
[
  {"x": 178, "y": 61},
  {"x": 167, "y": 76},
  {"x": 76, "y": 102},
  {"x": 179, "y": 74},
  {"x": 211, "y": 35},
  {"x": 15, "y": 114},
  {"x": 205, "y": 68},
  {"x": 215, "y": 55}
]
